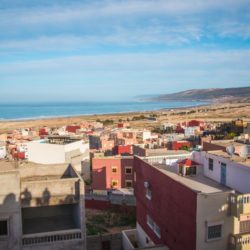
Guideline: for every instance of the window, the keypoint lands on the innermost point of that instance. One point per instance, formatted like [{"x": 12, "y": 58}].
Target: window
[
  {"x": 114, "y": 169},
  {"x": 154, "y": 226},
  {"x": 150, "y": 222},
  {"x": 3, "y": 227},
  {"x": 128, "y": 183},
  {"x": 157, "y": 231},
  {"x": 211, "y": 164},
  {"x": 214, "y": 232},
  {"x": 148, "y": 193},
  {"x": 128, "y": 170},
  {"x": 114, "y": 183}
]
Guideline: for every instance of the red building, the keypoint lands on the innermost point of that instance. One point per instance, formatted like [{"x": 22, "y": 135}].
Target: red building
[
  {"x": 161, "y": 212},
  {"x": 177, "y": 145},
  {"x": 72, "y": 128},
  {"x": 193, "y": 123},
  {"x": 122, "y": 149},
  {"x": 179, "y": 207},
  {"x": 179, "y": 129},
  {"x": 43, "y": 132},
  {"x": 112, "y": 172}
]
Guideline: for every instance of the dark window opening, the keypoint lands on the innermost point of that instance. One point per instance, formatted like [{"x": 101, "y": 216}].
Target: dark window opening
[
  {"x": 210, "y": 164},
  {"x": 3, "y": 227}
]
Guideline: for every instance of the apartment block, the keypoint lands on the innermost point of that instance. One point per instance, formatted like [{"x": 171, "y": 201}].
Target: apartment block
[{"x": 202, "y": 202}]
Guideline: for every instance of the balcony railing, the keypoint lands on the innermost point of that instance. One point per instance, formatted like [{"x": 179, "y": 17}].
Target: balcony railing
[
  {"x": 239, "y": 204},
  {"x": 239, "y": 242},
  {"x": 44, "y": 238}
]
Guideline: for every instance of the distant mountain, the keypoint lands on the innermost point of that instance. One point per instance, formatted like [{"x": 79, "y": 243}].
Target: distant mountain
[{"x": 241, "y": 94}]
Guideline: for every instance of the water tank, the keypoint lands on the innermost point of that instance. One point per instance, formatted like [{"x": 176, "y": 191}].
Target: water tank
[{"x": 244, "y": 151}]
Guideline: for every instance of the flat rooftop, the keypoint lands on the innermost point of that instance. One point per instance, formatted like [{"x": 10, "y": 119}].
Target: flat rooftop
[
  {"x": 6, "y": 165},
  {"x": 226, "y": 143},
  {"x": 61, "y": 140},
  {"x": 233, "y": 158},
  {"x": 197, "y": 183},
  {"x": 168, "y": 153}
]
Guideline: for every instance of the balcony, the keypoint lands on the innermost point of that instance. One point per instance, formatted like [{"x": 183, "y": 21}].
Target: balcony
[
  {"x": 239, "y": 204},
  {"x": 51, "y": 237},
  {"x": 239, "y": 242}
]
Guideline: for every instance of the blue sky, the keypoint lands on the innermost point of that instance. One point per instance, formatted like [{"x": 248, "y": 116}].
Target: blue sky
[{"x": 115, "y": 50}]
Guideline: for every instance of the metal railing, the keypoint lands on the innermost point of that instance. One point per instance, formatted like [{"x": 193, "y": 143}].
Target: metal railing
[{"x": 41, "y": 238}]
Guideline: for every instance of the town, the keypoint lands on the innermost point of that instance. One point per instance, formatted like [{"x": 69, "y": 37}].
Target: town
[{"x": 110, "y": 184}]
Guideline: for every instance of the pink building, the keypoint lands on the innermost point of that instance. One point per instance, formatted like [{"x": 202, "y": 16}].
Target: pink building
[{"x": 112, "y": 172}]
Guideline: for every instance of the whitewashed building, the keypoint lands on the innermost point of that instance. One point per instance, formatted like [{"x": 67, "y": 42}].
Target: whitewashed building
[{"x": 58, "y": 150}]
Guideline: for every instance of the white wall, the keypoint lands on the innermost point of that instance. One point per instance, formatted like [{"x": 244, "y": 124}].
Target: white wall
[
  {"x": 45, "y": 153},
  {"x": 146, "y": 135},
  {"x": 2, "y": 152},
  {"x": 142, "y": 237},
  {"x": 237, "y": 175}
]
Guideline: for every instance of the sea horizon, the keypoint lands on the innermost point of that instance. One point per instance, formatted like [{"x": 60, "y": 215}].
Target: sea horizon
[{"x": 18, "y": 111}]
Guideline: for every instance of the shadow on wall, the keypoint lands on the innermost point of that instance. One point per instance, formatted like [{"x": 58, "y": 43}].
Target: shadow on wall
[
  {"x": 47, "y": 199},
  {"x": 99, "y": 178}
]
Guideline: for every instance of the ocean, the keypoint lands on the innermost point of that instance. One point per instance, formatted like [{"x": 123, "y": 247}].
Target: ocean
[{"x": 25, "y": 111}]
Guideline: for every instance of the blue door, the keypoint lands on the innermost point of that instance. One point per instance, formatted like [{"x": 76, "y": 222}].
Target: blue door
[{"x": 223, "y": 174}]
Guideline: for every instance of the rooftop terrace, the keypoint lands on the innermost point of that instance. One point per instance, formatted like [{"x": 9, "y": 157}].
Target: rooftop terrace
[
  {"x": 234, "y": 158},
  {"x": 197, "y": 183}
]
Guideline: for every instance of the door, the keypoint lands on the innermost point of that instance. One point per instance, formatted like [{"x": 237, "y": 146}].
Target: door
[{"x": 223, "y": 174}]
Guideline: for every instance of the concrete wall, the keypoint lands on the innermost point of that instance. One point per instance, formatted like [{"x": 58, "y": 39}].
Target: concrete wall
[
  {"x": 10, "y": 207},
  {"x": 213, "y": 209},
  {"x": 97, "y": 242},
  {"x": 10, "y": 210},
  {"x": 29, "y": 170},
  {"x": 47, "y": 189}
]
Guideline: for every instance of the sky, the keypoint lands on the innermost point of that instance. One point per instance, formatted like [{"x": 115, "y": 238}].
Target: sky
[{"x": 117, "y": 49}]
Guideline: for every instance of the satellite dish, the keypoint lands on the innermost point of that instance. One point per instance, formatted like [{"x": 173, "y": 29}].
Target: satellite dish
[{"x": 230, "y": 149}]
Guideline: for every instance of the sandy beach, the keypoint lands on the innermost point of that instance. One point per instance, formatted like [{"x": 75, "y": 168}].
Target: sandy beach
[{"x": 212, "y": 112}]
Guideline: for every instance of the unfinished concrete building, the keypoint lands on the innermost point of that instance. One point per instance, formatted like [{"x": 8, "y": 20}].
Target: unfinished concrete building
[{"x": 42, "y": 207}]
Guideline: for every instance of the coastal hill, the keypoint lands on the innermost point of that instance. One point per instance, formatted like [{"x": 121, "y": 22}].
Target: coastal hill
[{"x": 241, "y": 94}]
